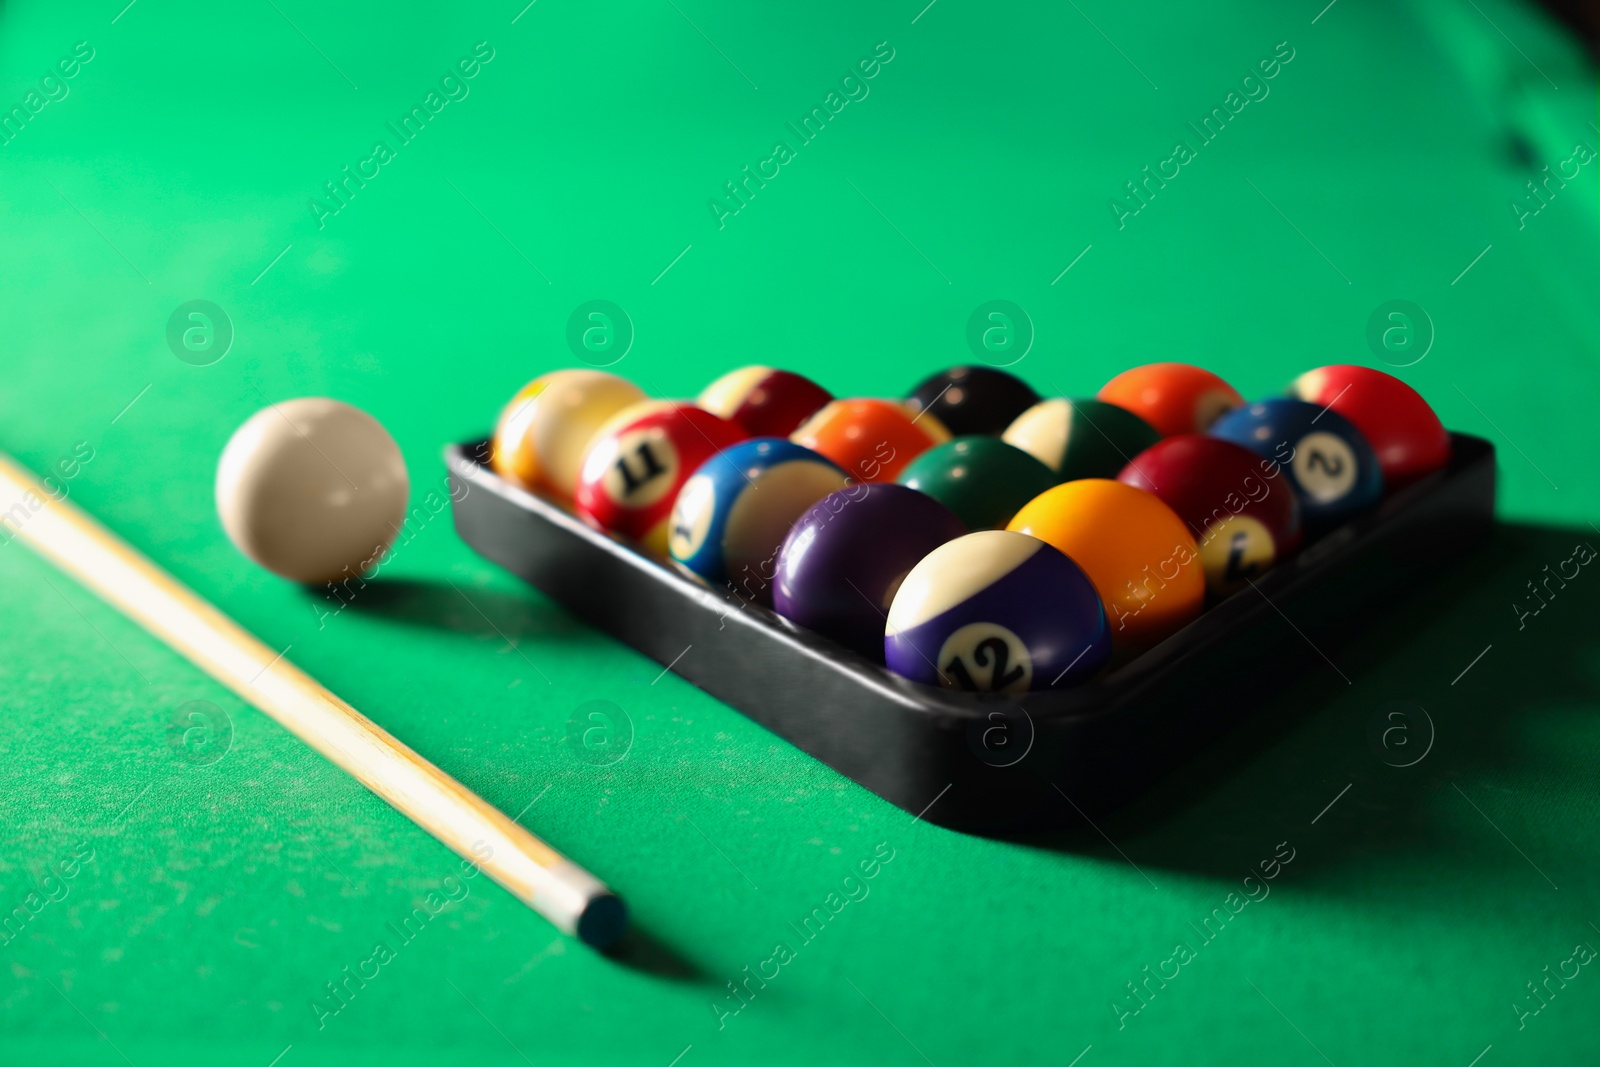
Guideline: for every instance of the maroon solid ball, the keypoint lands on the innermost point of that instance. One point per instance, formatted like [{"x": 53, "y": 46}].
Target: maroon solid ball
[
  {"x": 843, "y": 562},
  {"x": 1243, "y": 513}
]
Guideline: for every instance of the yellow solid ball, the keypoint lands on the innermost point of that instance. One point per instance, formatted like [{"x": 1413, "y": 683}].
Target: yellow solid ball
[
  {"x": 545, "y": 430},
  {"x": 1140, "y": 556}
]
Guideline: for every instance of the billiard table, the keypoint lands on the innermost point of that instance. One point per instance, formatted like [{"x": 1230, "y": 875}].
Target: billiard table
[{"x": 1388, "y": 857}]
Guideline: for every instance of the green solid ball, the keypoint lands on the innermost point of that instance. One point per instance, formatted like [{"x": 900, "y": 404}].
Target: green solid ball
[
  {"x": 982, "y": 479},
  {"x": 1081, "y": 438}
]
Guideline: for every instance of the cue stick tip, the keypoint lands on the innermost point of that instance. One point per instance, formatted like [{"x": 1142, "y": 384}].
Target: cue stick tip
[{"x": 603, "y": 921}]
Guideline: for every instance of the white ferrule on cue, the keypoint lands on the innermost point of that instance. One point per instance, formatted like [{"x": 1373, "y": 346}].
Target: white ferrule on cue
[{"x": 566, "y": 894}]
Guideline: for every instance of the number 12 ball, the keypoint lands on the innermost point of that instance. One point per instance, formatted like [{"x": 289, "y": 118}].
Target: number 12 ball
[
  {"x": 997, "y": 612},
  {"x": 639, "y": 461},
  {"x": 1332, "y": 468}
]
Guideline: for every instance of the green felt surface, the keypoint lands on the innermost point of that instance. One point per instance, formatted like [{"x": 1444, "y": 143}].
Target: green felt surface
[{"x": 222, "y": 896}]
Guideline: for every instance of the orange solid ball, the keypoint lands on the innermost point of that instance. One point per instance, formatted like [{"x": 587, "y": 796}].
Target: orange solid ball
[
  {"x": 872, "y": 440},
  {"x": 1173, "y": 397},
  {"x": 1141, "y": 558}
]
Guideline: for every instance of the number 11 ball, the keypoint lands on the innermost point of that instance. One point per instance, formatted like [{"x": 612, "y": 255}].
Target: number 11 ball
[
  {"x": 638, "y": 462},
  {"x": 997, "y": 612}
]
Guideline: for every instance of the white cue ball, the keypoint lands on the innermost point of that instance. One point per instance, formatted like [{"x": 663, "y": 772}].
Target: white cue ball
[{"x": 312, "y": 489}]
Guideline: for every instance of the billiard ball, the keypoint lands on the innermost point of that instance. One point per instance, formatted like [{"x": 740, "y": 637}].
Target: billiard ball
[
  {"x": 1141, "y": 558},
  {"x": 640, "y": 459},
  {"x": 1243, "y": 516},
  {"x": 312, "y": 489},
  {"x": 1331, "y": 466},
  {"x": 872, "y": 440},
  {"x": 973, "y": 400},
  {"x": 982, "y": 479},
  {"x": 543, "y": 433},
  {"x": 1081, "y": 438},
  {"x": 996, "y": 612},
  {"x": 766, "y": 402},
  {"x": 1173, "y": 397},
  {"x": 841, "y": 564},
  {"x": 1399, "y": 425},
  {"x": 731, "y": 517}
]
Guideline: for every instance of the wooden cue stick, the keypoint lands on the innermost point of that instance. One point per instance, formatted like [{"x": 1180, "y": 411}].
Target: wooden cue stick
[{"x": 566, "y": 894}]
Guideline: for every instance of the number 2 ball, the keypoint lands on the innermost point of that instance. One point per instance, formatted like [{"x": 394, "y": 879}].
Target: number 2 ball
[
  {"x": 1399, "y": 425},
  {"x": 766, "y": 402},
  {"x": 1333, "y": 469},
  {"x": 1243, "y": 518},
  {"x": 997, "y": 612},
  {"x": 733, "y": 514},
  {"x": 640, "y": 460}
]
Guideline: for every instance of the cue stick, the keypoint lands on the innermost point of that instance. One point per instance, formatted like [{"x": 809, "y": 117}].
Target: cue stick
[{"x": 566, "y": 894}]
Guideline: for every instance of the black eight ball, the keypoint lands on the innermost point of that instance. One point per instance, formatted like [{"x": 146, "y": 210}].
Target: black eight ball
[{"x": 973, "y": 400}]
